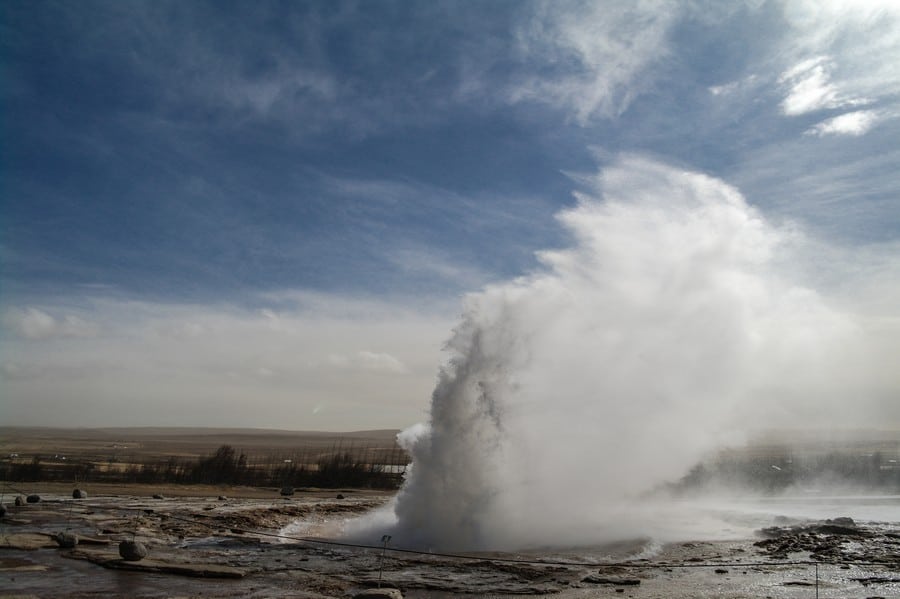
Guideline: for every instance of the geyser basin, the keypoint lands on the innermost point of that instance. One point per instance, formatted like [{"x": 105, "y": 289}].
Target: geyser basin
[{"x": 672, "y": 323}]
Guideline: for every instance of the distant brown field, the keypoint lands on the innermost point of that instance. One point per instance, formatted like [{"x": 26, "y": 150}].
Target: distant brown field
[
  {"x": 139, "y": 445},
  {"x": 141, "y": 454}
]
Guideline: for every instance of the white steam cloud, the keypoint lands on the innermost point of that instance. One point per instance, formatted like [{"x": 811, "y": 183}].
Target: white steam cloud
[{"x": 670, "y": 326}]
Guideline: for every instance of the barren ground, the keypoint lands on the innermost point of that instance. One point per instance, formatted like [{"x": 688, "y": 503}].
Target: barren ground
[
  {"x": 222, "y": 541},
  {"x": 215, "y": 542}
]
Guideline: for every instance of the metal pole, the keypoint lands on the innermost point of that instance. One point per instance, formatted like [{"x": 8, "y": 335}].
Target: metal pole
[
  {"x": 384, "y": 542},
  {"x": 817, "y": 580}
]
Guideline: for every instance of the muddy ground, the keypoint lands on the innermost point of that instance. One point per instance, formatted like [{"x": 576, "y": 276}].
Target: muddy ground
[{"x": 223, "y": 542}]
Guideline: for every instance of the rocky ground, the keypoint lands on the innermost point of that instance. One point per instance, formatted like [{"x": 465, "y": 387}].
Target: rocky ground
[{"x": 215, "y": 542}]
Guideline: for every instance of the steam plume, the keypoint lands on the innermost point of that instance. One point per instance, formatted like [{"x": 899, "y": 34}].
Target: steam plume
[{"x": 663, "y": 331}]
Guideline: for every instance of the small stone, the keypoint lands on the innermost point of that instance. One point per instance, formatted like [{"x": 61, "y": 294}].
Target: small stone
[
  {"x": 20, "y": 501},
  {"x": 66, "y": 540},
  {"x": 133, "y": 551},
  {"x": 721, "y": 571},
  {"x": 339, "y": 496},
  {"x": 222, "y": 498},
  {"x": 379, "y": 594},
  {"x": 158, "y": 496},
  {"x": 79, "y": 494},
  {"x": 33, "y": 499},
  {"x": 287, "y": 491}
]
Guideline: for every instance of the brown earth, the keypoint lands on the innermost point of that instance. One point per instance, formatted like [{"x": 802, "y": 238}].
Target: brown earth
[
  {"x": 143, "y": 444},
  {"x": 224, "y": 542}
]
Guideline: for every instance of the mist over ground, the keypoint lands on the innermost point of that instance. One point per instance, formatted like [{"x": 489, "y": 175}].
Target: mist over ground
[{"x": 678, "y": 320}]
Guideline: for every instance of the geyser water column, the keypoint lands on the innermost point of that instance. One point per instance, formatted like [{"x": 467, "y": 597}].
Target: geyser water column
[{"x": 664, "y": 329}]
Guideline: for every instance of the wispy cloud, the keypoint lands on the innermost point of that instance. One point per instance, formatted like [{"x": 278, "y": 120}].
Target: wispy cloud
[
  {"x": 851, "y": 123},
  {"x": 844, "y": 54},
  {"x": 424, "y": 262},
  {"x": 309, "y": 175},
  {"x": 370, "y": 362},
  {"x": 749, "y": 82},
  {"x": 590, "y": 56},
  {"x": 809, "y": 87},
  {"x": 36, "y": 324}
]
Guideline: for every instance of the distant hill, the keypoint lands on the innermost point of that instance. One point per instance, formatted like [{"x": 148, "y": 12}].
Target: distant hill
[{"x": 181, "y": 441}]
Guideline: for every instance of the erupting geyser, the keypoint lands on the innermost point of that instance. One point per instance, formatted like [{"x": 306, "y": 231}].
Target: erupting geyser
[{"x": 665, "y": 329}]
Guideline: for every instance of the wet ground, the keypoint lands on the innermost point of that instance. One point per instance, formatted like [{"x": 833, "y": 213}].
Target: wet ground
[{"x": 225, "y": 543}]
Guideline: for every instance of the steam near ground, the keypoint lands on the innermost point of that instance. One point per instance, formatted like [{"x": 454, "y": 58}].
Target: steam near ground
[{"x": 678, "y": 319}]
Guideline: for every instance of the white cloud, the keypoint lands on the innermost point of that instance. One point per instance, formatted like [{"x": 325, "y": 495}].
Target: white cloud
[
  {"x": 850, "y": 123},
  {"x": 279, "y": 91},
  {"x": 353, "y": 363},
  {"x": 381, "y": 362},
  {"x": 264, "y": 372},
  {"x": 843, "y": 53},
  {"x": 368, "y": 361},
  {"x": 595, "y": 54},
  {"x": 726, "y": 89},
  {"x": 36, "y": 324},
  {"x": 810, "y": 87},
  {"x": 11, "y": 370},
  {"x": 425, "y": 261}
]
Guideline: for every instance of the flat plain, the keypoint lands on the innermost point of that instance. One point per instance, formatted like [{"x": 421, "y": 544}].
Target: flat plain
[{"x": 241, "y": 541}]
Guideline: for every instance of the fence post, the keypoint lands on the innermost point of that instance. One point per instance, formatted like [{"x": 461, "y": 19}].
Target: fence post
[{"x": 384, "y": 541}]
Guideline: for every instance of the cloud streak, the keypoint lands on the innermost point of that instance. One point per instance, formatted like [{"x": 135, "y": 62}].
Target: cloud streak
[
  {"x": 601, "y": 53},
  {"x": 370, "y": 363},
  {"x": 218, "y": 201},
  {"x": 850, "y": 123},
  {"x": 810, "y": 88},
  {"x": 35, "y": 324},
  {"x": 845, "y": 53}
]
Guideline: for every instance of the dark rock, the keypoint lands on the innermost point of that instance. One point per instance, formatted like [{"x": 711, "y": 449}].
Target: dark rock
[
  {"x": 842, "y": 521},
  {"x": 20, "y": 501},
  {"x": 133, "y": 551},
  {"x": 222, "y": 498},
  {"x": 843, "y": 526},
  {"x": 837, "y": 529},
  {"x": 158, "y": 496},
  {"x": 876, "y": 580},
  {"x": 2, "y": 510},
  {"x": 79, "y": 494},
  {"x": 287, "y": 491},
  {"x": 621, "y": 582},
  {"x": 721, "y": 571},
  {"x": 33, "y": 499},
  {"x": 339, "y": 496},
  {"x": 66, "y": 540}
]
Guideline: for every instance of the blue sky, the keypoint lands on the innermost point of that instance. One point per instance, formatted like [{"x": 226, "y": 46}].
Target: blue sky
[{"x": 265, "y": 214}]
